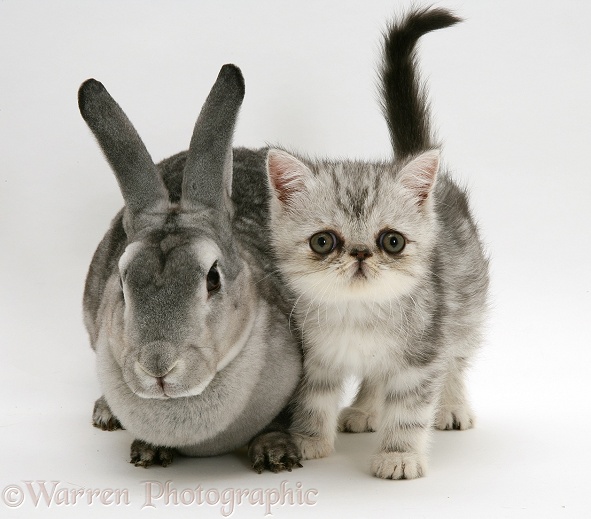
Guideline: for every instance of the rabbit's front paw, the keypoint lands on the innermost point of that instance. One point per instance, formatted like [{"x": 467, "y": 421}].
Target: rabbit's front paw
[
  {"x": 274, "y": 451},
  {"x": 312, "y": 447},
  {"x": 144, "y": 454},
  {"x": 103, "y": 417},
  {"x": 355, "y": 420},
  {"x": 398, "y": 465}
]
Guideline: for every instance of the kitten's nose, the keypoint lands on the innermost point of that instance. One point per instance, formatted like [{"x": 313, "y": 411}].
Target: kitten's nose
[{"x": 360, "y": 254}]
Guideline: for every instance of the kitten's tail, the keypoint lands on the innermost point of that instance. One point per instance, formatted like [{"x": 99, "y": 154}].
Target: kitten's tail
[{"x": 404, "y": 99}]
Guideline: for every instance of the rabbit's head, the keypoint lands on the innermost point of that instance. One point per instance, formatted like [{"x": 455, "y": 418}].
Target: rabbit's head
[{"x": 179, "y": 307}]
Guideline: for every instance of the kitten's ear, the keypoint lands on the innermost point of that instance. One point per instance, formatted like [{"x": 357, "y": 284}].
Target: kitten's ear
[
  {"x": 287, "y": 175},
  {"x": 419, "y": 175}
]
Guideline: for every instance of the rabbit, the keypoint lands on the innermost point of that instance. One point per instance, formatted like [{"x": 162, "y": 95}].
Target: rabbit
[{"x": 184, "y": 308}]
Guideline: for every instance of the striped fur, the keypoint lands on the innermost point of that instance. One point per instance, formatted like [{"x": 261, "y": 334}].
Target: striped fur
[{"x": 406, "y": 323}]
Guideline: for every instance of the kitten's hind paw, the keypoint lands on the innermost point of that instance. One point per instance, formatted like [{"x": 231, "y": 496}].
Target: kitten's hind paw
[
  {"x": 103, "y": 417},
  {"x": 144, "y": 454},
  {"x": 457, "y": 418},
  {"x": 398, "y": 465},
  {"x": 275, "y": 451},
  {"x": 355, "y": 420},
  {"x": 312, "y": 447}
]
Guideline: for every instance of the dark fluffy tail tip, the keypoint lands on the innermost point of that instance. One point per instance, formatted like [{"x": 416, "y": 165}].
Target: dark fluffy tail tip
[{"x": 421, "y": 21}]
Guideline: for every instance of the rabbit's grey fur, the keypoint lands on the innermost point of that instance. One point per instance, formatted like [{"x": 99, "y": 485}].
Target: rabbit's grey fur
[{"x": 182, "y": 362}]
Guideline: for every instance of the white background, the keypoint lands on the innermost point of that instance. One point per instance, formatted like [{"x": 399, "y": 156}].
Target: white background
[{"x": 510, "y": 93}]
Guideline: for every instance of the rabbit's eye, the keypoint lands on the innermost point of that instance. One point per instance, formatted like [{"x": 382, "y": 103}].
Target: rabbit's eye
[{"x": 213, "y": 278}]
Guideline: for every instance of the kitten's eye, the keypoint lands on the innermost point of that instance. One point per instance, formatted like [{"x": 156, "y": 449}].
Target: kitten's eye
[
  {"x": 213, "y": 278},
  {"x": 323, "y": 242},
  {"x": 392, "y": 242}
]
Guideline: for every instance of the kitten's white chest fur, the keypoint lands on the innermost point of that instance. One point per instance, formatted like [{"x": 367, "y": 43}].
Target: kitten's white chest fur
[{"x": 357, "y": 337}]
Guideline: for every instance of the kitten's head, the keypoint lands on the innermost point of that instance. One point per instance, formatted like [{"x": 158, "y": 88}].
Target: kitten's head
[{"x": 352, "y": 230}]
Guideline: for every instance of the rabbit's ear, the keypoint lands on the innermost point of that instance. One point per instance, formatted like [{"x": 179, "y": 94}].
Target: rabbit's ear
[
  {"x": 138, "y": 178},
  {"x": 208, "y": 172}
]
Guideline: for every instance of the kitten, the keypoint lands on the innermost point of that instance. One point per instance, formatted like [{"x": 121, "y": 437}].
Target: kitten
[{"x": 389, "y": 274}]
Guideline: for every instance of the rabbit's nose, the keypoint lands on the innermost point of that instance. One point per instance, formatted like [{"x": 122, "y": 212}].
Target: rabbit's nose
[
  {"x": 157, "y": 359},
  {"x": 159, "y": 374}
]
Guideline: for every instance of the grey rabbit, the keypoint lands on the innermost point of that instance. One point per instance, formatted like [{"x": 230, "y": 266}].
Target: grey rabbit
[{"x": 183, "y": 305}]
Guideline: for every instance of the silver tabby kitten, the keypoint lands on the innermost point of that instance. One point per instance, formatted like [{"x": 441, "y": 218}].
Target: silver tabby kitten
[{"x": 390, "y": 278}]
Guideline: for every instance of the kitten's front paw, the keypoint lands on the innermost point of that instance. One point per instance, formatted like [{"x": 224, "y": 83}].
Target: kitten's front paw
[
  {"x": 103, "y": 417},
  {"x": 144, "y": 454},
  {"x": 457, "y": 418},
  {"x": 312, "y": 447},
  {"x": 274, "y": 451},
  {"x": 398, "y": 465},
  {"x": 355, "y": 420}
]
